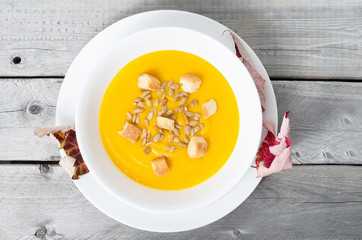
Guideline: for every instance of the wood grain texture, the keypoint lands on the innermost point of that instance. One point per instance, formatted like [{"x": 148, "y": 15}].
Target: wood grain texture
[
  {"x": 306, "y": 202},
  {"x": 294, "y": 39},
  {"x": 326, "y": 119}
]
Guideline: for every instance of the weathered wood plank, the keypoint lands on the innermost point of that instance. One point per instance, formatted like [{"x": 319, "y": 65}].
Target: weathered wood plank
[
  {"x": 306, "y": 202},
  {"x": 294, "y": 39},
  {"x": 326, "y": 119}
]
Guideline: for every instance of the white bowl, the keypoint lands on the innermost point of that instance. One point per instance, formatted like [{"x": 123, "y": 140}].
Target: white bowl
[{"x": 87, "y": 117}]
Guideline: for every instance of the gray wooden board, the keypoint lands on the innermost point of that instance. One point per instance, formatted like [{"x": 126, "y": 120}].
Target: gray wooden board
[
  {"x": 294, "y": 39},
  {"x": 306, "y": 202},
  {"x": 326, "y": 119}
]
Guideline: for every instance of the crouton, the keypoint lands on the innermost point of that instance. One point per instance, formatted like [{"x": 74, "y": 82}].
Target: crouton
[
  {"x": 130, "y": 132},
  {"x": 160, "y": 166},
  {"x": 197, "y": 147},
  {"x": 166, "y": 123},
  {"x": 148, "y": 82},
  {"x": 190, "y": 83},
  {"x": 209, "y": 108}
]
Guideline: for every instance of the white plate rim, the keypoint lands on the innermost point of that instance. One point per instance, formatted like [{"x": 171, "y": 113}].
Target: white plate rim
[{"x": 147, "y": 220}]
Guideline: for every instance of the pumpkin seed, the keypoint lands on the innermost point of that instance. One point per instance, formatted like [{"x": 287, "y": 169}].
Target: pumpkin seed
[
  {"x": 137, "y": 119},
  {"x": 129, "y": 116},
  {"x": 134, "y": 118},
  {"x": 150, "y": 116},
  {"x": 164, "y": 109},
  {"x": 183, "y": 101},
  {"x": 182, "y": 144},
  {"x": 171, "y": 138},
  {"x": 160, "y": 91},
  {"x": 147, "y": 122},
  {"x": 146, "y": 93},
  {"x": 170, "y": 92},
  {"x": 168, "y": 113},
  {"x": 189, "y": 114},
  {"x": 186, "y": 119},
  {"x": 149, "y": 103},
  {"x": 157, "y": 101},
  {"x": 176, "y": 131},
  {"x": 170, "y": 82},
  {"x": 138, "y": 110},
  {"x": 144, "y": 141},
  {"x": 176, "y": 139},
  {"x": 175, "y": 86},
  {"x": 144, "y": 132},
  {"x": 163, "y": 85},
  {"x": 147, "y": 150},
  {"x": 139, "y": 99},
  {"x": 186, "y": 140},
  {"x": 177, "y": 96},
  {"x": 141, "y": 104},
  {"x": 196, "y": 129},
  {"x": 148, "y": 137},
  {"x": 193, "y": 123},
  {"x": 157, "y": 137},
  {"x": 187, "y": 130}
]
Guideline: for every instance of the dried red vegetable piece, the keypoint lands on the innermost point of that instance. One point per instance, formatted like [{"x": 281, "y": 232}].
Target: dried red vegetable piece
[
  {"x": 245, "y": 59},
  {"x": 73, "y": 163},
  {"x": 70, "y": 146},
  {"x": 274, "y": 154}
]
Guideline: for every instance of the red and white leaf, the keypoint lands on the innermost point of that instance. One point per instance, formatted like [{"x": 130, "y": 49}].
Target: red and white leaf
[{"x": 67, "y": 164}]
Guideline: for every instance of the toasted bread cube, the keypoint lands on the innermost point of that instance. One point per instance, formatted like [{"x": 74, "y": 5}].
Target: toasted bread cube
[
  {"x": 209, "y": 108},
  {"x": 148, "y": 82},
  {"x": 197, "y": 147},
  {"x": 160, "y": 166},
  {"x": 190, "y": 83},
  {"x": 130, "y": 132},
  {"x": 166, "y": 123}
]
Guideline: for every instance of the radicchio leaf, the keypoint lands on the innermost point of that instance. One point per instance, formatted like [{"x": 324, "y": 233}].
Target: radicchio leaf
[
  {"x": 274, "y": 154},
  {"x": 73, "y": 163},
  {"x": 245, "y": 59}
]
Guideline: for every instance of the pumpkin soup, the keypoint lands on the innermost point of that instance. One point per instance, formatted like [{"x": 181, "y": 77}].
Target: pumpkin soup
[{"x": 169, "y": 120}]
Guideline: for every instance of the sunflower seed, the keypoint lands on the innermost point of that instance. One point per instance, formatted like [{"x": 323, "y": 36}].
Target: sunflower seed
[
  {"x": 183, "y": 101},
  {"x": 144, "y": 132},
  {"x": 186, "y": 140},
  {"x": 154, "y": 110},
  {"x": 172, "y": 148},
  {"x": 149, "y": 103},
  {"x": 163, "y": 102},
  {"x": 148, "y": 143},
  {"x": 159, "y": 114},
  {"x": 170, "y": 83},
  {"x": 137, "y": 119},
  {"x": 134, "y": 104},
  {"x": 164, "y": 109},
  {"x": 157, "y": 102},
  {"x": 193, "y": 123},
  {"x": 176, "y": 139},
  {"x": 141, "y": 104},
  {"x": 187, "y": 130},
  {"x": 168, "y": 113},
  {"x": 139, "y": 99},
  {"x": 163, "y": 85},
  {"x": 202, "y": 126},
  {"x": 162, "y": 137},
  {"x": 144, "y": 141},
  {"x": 163, "y": 96},
  {"x": 160, "y": 91},
  {"x": 192, "y": 132},
  {"x": 161, "y": 131},
  {"x": 173, "y": 117},
  {"x": 195, "y": 102},
  {"x": 129, "y": 116},
  {"x": 176, "y": 131},
  {"x": 182, "y": 144},
  {"x": 175, "y": 86},
  {"x": 177, "y": 96},
  {"x": 196, "y": 118},
  {"x": 147, "y": 150},
  {"x": 157, "y": 137},
  {"x": 138, "y": 110},
  {"x": 196, "y": 129},
  {"x": 189, "y": 114},
  {"x": 156, "y": 128},
  {"x": 186, "y": 119},
  {"x": 171, "y": 138},
  {"x": 147, "y": 122},
  {"x": 167, "y": 148},
  {"x": 146, "y": 93},
  {"x": 150, "y": 116},
  {"x": 170, "y": 92},
  {"x": 148, "y": 97},
  {"x": 186, "y": 94},
  {"x": 134, "y": 118},
  {"x": 148, "y": 137},
  {"x": 178, "y": 125}
]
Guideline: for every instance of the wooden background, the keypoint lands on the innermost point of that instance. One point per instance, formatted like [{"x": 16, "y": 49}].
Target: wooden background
[{"x": 312, "y": 51}]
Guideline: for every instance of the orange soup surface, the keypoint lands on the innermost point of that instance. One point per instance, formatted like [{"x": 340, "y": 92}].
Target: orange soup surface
[{"x": 220, "y": 132}]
